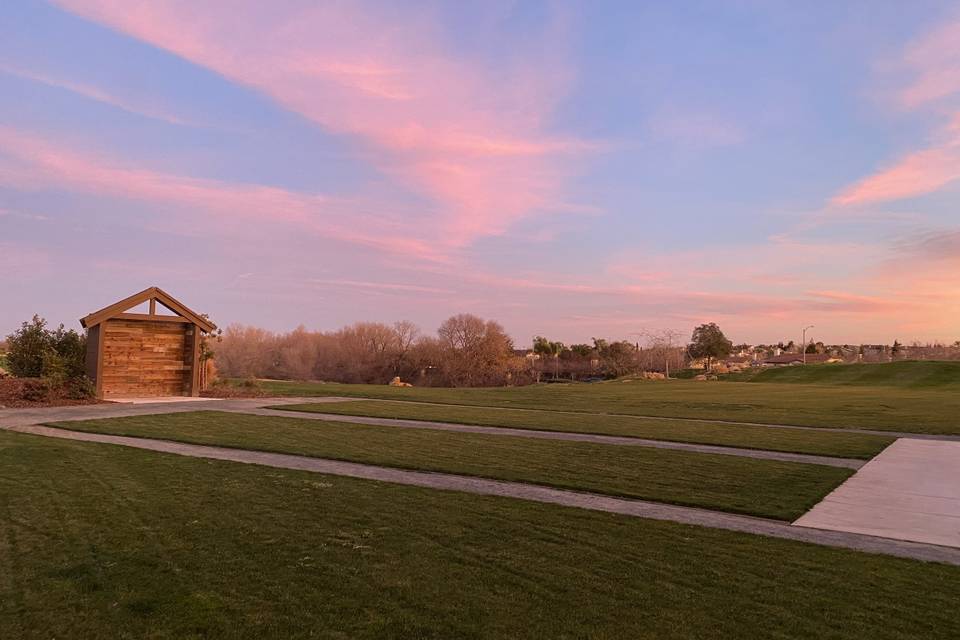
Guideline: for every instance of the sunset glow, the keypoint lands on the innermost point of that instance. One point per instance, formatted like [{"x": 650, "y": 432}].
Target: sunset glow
[{"x": 568, "y": 172}]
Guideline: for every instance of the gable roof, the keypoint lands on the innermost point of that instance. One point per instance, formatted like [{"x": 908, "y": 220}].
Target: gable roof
[{"x": 153, "y": 293}]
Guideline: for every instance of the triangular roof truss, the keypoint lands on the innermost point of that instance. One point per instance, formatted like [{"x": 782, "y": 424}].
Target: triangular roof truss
[{"x": 153, "y": 295}]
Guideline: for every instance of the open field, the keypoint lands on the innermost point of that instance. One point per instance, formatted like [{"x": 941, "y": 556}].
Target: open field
[
  {"x": 853, "y": 407},
  {"x": 846, "y": 445},
  {"x": 911, "y": 374},
  {"x": 773, "y": 489},
  {"x": 103, "y": 541}
]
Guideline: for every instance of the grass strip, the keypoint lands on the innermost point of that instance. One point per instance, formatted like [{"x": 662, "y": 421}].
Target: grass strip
[
  {"x": 847, "y": 407},
  {"x": 826, "y": 443}
]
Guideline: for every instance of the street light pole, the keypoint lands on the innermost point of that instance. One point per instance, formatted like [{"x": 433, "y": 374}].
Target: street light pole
[{"x": 803, "y": 345}]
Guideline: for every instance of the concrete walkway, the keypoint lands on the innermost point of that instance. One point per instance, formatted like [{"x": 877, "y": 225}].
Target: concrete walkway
[
  {"x": 536, "y": 493},
  {"x": 567, "y": 436},
  {"x": 15, "y": 417},
  {"x": 911, "y": 491}
]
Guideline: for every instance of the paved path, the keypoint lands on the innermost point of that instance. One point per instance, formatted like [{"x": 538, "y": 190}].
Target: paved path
[
  {"x": 565, "y": 435},
  {"x": 911, "y": 491},
  {"x": 467, "y": 484},
  {"x": 15, "y": 417}
]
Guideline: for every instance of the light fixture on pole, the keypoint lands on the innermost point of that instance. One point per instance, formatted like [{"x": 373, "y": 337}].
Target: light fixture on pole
[{"x": 803, "y": 343}]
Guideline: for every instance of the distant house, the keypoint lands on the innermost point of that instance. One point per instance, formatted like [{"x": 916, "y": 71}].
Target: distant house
[{"x": 789, "y": 359}]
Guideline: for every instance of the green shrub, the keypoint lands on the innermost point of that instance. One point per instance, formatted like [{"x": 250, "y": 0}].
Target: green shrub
[
  {"x": 34, "y": 390},
  {"x": 250, "y": 384},
  {"x": 33, "y": 351},
  {"x": 81, "y": 388}
]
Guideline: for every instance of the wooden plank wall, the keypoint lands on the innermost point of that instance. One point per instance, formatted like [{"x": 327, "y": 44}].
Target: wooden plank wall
[{"x": 145, "y": 359}]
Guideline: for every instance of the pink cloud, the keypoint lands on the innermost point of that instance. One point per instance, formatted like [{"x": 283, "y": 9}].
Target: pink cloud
[
  {"x": 916, "y": 174},
  {"x": 394, "y": 288},
  {"x": 19, "y": 261},
  {"x": 36, "y": 163},
  {"x": 934, "y": 61},
  {"x": 473, "y": 139},
  {"x": 94, "y": 93}
]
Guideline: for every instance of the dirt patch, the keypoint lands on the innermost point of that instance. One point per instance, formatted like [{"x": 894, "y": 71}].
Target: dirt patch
[{"x": 23, "y": 393}]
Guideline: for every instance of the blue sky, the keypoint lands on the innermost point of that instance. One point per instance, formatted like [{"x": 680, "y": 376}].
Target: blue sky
[{"x": 571, "y": 169}]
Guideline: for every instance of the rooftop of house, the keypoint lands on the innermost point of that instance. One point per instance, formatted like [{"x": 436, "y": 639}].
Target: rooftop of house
[{"x": 787, "y": 358}]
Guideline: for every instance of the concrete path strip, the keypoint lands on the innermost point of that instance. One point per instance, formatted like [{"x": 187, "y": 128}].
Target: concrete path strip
[
  {"x": 911, "y": 491},
  {"x": 15, "y": 417},
  {"x": 565, "y": 435},
  {"x": 451, "y": 482}
]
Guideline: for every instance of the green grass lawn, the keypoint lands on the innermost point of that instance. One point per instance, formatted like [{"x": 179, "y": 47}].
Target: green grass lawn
[
  {"x": 781, "y": 490},
  {"x": 845, "y": 445},
  {"x": 853, "y": 407},
  {"x": 913, "y": 374},
  {"x": 98, "y": 541}
]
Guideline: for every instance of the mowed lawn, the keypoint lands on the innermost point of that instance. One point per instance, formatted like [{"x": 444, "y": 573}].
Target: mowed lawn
[
  {"x": 848, "y": 407},
  {"x": 773, "y": 489},
  {"x": 99, "y": 541},
  {"x": 844, "y": 445},
  {"x": 914, "y": 374}
]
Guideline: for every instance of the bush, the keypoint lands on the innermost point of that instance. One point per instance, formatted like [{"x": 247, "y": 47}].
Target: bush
[
  {"x": 34, "y": 390},
  {"x": 250, "y": 383},
  {"x": 81, "y": 388},
  {"x": 35, "y": 351}
]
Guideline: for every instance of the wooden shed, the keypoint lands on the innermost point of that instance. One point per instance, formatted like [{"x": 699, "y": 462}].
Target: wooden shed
[{"x": 152, "y": 354}]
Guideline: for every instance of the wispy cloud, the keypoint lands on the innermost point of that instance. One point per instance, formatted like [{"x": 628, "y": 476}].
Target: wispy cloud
[
  {"x": 97, "y": 94},
  {"x": 934, "y": 62},
  {"x": 473, "y": 138},
  {"x": 19, "y": 261},
  {"x": 33, "y": 162},
  {"x": 395, "y": 288},
  {"x": 916, "y": 174}
]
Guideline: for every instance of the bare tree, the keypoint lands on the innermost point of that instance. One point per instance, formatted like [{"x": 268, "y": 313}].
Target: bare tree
[
  {"x": 475, "y": 352},
  {"x": 246, "y": 352},
  {"x": 406, "y": 334},
  {"x": 662, "y": 350}
]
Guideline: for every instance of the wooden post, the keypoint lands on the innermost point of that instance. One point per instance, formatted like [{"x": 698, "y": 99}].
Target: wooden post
[
  {"x": 153, "y": 306},
  {"x": 195, "y": 364},
  {"x": 101, "y": 339}
]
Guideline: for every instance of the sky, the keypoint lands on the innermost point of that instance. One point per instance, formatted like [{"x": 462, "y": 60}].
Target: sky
[{"x": 570, "y": 169}]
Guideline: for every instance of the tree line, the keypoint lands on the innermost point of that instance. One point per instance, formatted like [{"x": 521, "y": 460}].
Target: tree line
[{"x": 465, "y": 351}]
